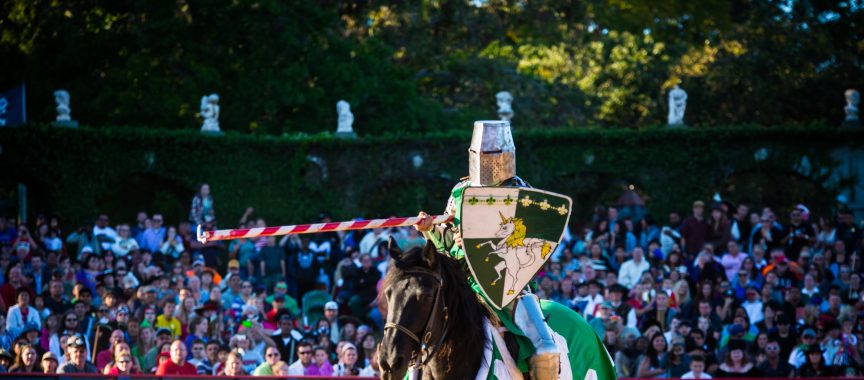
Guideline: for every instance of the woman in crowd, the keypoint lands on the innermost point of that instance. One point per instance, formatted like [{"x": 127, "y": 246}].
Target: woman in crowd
[
  {"x": 123, "y": 364},
  {"x": 202, "y": 209},
  {"x": 650, "y": 364},
  {"x": 676, "y": 362},
  {"x": 369, "y": 346},
  {"x": 347, "y": 365},
  {"x": 26, "y": 361},
  {"x": 736, "y": 363},
  {"x": 815, "y": 365},
  {"x": 171, "y": 247}
]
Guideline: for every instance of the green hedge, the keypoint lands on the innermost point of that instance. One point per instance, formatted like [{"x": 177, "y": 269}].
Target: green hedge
[{"x": 85, "y": 171}]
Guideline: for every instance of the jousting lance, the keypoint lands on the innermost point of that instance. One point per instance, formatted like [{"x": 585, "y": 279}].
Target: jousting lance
[{"x": 247, "y": 233}]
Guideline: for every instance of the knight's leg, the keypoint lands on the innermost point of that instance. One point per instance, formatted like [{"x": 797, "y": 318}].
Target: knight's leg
[{"x": 529, "y": 318}]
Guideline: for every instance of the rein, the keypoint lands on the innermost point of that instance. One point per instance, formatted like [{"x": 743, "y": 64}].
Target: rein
[{"x": 438, "y": 311}]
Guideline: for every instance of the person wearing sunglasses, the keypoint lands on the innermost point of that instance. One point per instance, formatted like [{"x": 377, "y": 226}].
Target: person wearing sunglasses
[
  {"x": 123, "y": 365},
  {"x": 773, "y": 366},
  {"x": 302, "y": 365},
  {"x": 271, "y": 358}
]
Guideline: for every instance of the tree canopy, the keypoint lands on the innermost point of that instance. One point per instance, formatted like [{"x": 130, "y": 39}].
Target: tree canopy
[{"x": 428, "y": 65}]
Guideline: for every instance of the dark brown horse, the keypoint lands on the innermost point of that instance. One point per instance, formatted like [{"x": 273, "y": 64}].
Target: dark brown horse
[{"x": 434, "y": 321}]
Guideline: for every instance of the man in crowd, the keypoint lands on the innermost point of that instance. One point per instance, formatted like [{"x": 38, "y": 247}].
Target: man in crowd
[
  {"x": 177, "y": 365},
  {"x": 304, "y": 361},
  {"x": 77, "y": 351}
]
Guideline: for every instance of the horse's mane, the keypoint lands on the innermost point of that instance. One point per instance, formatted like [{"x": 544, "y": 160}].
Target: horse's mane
[
  {"x": 517, "y": 238},
  {"x": 466, "y": 337}
]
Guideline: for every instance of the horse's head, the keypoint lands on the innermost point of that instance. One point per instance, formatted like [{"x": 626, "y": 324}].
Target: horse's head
[
  {"x": 415, "y": 310},
  {"x": 506, "y": 227}
]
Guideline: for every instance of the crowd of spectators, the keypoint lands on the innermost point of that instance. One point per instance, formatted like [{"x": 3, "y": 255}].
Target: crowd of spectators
[{"x": 728, "y": 294}]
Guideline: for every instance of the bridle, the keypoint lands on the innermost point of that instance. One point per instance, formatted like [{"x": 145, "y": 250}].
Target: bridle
[{"x": 439, "y": 312}]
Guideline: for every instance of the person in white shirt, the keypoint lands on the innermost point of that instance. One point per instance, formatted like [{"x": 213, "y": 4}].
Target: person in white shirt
[
  {"x": 753, "y": 305},
  {"x": 697, "y": 366},
  {"x": 631, "y": 271},
  {"x": 304, "y": 361},
  {"x": 124, "y": 243},
  {"x": 108, "y": 234},
  {"x": 22, "y": 316}
]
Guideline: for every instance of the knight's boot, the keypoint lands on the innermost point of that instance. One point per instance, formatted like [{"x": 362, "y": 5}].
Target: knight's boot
[{"x": 529, "y": 318}]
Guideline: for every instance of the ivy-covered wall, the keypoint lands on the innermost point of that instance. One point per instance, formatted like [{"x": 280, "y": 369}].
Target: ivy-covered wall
[{"x": 81, "y": 172}]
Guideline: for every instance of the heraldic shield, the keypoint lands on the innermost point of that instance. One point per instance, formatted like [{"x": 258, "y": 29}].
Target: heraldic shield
[{"x": 508, "y": 233}]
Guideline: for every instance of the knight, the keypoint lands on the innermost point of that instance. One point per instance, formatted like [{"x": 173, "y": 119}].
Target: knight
[{"x": 492, "y": 162}]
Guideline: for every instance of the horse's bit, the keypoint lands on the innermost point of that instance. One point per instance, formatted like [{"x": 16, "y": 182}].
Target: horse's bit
[{"x": 438, "y": 311}]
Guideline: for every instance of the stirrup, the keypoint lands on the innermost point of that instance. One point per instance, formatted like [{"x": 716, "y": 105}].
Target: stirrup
[{"x": 544, "y": 366}]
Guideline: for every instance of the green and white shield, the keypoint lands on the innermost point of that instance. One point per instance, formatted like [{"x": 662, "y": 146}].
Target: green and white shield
[{"x": 508, "y": 233}]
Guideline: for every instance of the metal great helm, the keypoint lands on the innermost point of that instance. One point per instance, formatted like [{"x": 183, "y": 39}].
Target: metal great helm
[{"x": 492, "y": 154}]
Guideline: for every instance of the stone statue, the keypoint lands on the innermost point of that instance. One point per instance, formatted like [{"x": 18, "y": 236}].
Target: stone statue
[
  {"x": 345, "y": 120},
  {"x": 677, "y": 104},
  {"x": 64, "y": 118},
  {"x": 210, "y": 113},
  {"x": 505, "y": 109},
  {"x": 853, "y": 98},
  {"x": 61, "y": 97}
]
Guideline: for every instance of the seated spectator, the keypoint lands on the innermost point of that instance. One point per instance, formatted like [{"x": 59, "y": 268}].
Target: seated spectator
[
  {"x": 697, "y": 368},
  {"x": 22, "y": 316},
  {"x": 302, "y": 366},
  {"x": 736, "y": 363},
  {"x": 233, "y": 365},
  {"x": 321, "y": 365},
  {"x": 271, "y": 358},
  {"x": 650, "y": 363},
  {"x": 774, "y": 366},
  {"x": 815, "y": 365},
  {"x": 26, "y": 361},
  {"x": 347, "y": 365},
  {"x": 49, "y": 363},
  {"x": 123, "y": 365},
  {"x": 176, "y": 365},
  {"x": 77, "y": 352}
]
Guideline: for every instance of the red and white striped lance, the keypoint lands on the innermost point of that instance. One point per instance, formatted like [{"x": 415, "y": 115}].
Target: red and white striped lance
[{"x": 246, "y": 233}]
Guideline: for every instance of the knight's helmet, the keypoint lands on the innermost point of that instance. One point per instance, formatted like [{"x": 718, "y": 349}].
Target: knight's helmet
[{"x": 492, "y": 154}]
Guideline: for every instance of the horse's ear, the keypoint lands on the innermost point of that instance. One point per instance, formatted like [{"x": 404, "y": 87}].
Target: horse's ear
[
  {"x": 395, "y": 251},
  {"x": 430, "y": 253}
]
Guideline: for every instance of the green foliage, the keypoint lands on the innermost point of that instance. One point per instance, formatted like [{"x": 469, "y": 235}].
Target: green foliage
[
  {"x": 121, "y": 170},
  {"x": 420, "y": 66}
]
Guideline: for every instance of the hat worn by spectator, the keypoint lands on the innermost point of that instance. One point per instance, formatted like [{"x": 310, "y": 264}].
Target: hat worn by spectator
[
  {"x": 49, "y": 356},
  {"x": 5, "y": 354},
  {"x": 163, "y": 330},
  {"x": 736, "y": 329},
  {"x": 698, "y": 204},
  {"x": 606, "y": 305},
  {"x": 75, "y": 341},
  {"x": 234, "y": 264},
  {"x": 331, "y": 306},
  {"x": 198, "y": 261},
  {"x": 809, "y": 332},
  {"x": 813, "y": 348}
]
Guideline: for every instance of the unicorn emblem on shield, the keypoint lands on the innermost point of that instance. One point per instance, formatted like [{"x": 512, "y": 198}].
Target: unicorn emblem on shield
[{"x": 515, "y": 249}]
